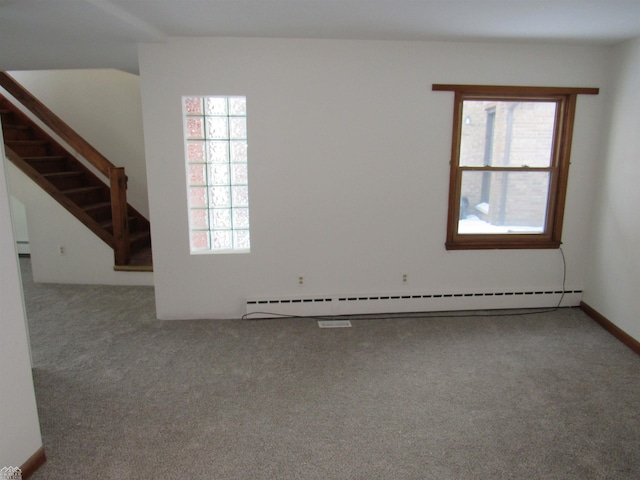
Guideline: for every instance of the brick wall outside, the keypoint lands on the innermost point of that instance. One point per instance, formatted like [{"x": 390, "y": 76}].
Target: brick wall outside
[{"x": 517, "y": 198}]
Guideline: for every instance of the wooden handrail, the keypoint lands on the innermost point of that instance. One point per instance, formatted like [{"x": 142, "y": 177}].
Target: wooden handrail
[{"x": 64, "y": 131}]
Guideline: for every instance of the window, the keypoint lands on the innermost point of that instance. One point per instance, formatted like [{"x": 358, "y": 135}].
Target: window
[
  {"x": 215, "y": 133},
  {"x": 509, "y": 165}
]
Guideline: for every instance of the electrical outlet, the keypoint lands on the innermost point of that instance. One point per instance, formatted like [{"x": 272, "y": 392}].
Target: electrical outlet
[
  {"x": 61, "y": 249},
  {"x": 300, "y": 281},
  {"x": 404, "y": 278}
]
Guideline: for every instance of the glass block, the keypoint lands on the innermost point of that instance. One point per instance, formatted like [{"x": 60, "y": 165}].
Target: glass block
[
  {"x": 237, "y": 105},
  {"x": 197, "y": 197},
  {"x": 195, "y": 152},
  {"x": 237, "y": 127},
  {"x": 238, "y": 151},
  {"x": 216, "y": 105},
  {"x": 197, "y": 174},
  {"x": 217, "y": 128},
  {"x": 219, "y": 174},
  {"x": 217, "y": 151},
  {"x": 221, "y": 239},
  {"x": 194, "y": 128},
  {"x": 220, "y": 197},
  {"x": 240, "y": 196},
  {"x": 221, "y": 218},
  {"x": 199, "y": 240},
  {"x": 239, "y": 175},
  {"x": 241, "y": 239},
  {"x": 199, "y": 218},
  {"x": 240, "y": 218},
  {"x": 192, "y": 105},
  {"x": 216, "y": 154}
]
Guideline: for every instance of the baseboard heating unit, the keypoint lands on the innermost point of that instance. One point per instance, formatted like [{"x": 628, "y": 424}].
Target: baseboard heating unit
[{"x": 321, "y": 305}]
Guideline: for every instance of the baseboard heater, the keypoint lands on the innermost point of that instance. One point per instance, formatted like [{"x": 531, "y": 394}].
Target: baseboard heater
[{"x": 321, "y": 305}]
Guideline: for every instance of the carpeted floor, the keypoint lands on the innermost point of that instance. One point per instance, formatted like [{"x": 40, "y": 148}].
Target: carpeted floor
[{"x": 122, "y": 395}]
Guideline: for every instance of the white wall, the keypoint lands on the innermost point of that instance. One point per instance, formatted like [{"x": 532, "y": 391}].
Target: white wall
[
  {"x": 349, "y": 153},
  {"x": 19, "y": 426},
  {"x": 614, "y": 276}
]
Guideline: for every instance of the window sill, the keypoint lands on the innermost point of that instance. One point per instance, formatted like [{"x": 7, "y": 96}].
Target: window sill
[
  {"x": 495, "y": 245},
  {"x": 219, "y": 252}
]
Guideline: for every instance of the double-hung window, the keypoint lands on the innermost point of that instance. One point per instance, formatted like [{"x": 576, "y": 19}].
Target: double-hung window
[{"x": 509, "y": 165}]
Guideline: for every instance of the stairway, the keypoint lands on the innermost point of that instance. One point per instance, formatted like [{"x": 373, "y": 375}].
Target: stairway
[{"x": 72, "y": 184}]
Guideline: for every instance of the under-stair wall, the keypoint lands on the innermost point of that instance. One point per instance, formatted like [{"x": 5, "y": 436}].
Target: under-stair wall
[{"x": 85, "y": 258}]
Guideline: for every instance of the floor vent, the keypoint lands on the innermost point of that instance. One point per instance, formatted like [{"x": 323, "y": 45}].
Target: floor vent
[{"x": 334, "y": 323}]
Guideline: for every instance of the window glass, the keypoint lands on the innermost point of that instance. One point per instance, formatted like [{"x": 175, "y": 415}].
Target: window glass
[
  {"x": 507, "y": 133},
  {"x": 497, "y": 134},
  {"x": 516, "y": 202}
]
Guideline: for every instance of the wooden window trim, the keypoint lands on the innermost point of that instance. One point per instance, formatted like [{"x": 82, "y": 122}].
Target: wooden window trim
[{"x": 565, "y": 97}]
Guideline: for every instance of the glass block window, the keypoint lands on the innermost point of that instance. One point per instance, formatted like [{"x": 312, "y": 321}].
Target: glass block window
[{"x": 215, "y": 134}]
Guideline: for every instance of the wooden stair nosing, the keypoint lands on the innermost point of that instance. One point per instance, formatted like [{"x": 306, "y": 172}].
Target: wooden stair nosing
[
  {"x": 44, "y": 158},
  {"x": 17, "y": 126},
  {"x": 68, "y": 173},
  {"x": 106, "y": 224},
  {"x": 96, "y": 206},
  {"x": 133, "y": 268},
  {"x": 28, "y": 142},
  {"x": 89, "y": 188}
]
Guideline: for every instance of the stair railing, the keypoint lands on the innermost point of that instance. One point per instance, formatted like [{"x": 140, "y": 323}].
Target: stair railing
[{"x": 115, "y": 175}]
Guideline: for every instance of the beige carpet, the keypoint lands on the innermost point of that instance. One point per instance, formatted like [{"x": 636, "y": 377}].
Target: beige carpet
[{"x": 122, "y": 395}]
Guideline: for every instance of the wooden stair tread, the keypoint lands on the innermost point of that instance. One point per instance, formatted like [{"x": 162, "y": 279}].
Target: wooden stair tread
[
  {"x": 96, "y": 206},
  {"x": 70, "y": 173},
  {"x": 109, "y": 223},
  {"x": 139, "y": 235},
  {"x": 133, "y": 268},
  {"x": 140, "y": 261},
  {"x": 82, "y": 189},
  {"x": 44, "y": 158}
]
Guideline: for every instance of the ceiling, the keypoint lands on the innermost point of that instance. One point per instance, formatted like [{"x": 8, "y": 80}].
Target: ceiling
[{"x": 54, "y": 34}]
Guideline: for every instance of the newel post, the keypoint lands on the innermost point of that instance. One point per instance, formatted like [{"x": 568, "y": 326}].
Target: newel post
[{"x": 119, "y": 215}]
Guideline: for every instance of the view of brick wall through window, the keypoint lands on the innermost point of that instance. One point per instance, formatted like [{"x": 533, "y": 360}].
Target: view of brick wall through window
[
  {"x": 215, "y": 132},
  {"x": 505, "y": 134}
]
